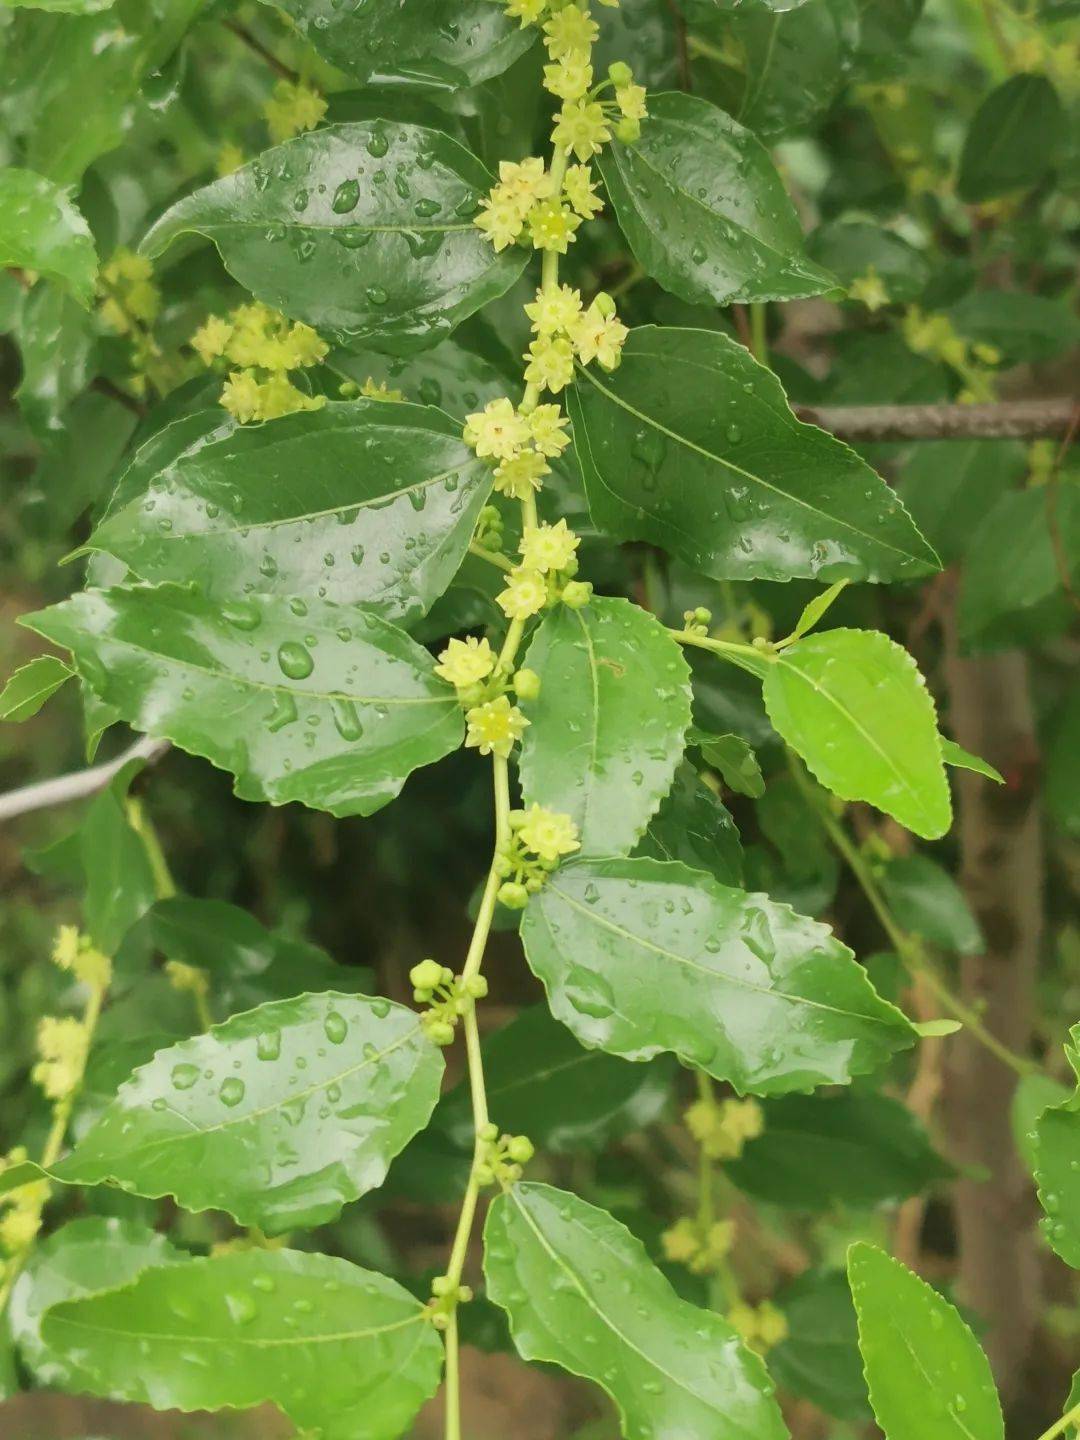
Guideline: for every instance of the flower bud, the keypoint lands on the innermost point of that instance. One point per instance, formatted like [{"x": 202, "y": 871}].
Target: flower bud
[
  {"x": 442, "y": 1285},
  {"x": 489, "y": 1132},
  {"x": 628, "y": 130},
  {"x": 604, "y": 304},
  {"x": 520, "y": 1149},
  {"x": 513, "y": 895},
  {"x": 577, "y": 594},
  {"x": 526, "y": 684},
  {"x": 440, "y": 1032},
  {"x": 620, "y": 74},
  {"x": 426, "y": 975},
  {"x": 476, "y": 986}
]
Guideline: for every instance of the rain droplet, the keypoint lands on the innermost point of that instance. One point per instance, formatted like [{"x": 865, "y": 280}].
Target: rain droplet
[{"x": 295, "y": 660}]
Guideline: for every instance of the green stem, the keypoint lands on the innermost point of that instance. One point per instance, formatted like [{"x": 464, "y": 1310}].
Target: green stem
[
  {"x": 1071, "y": 1417},
  {"x": 453, "y": 1380},
  {"x": 759, "y": 340},
  {"x": 747, "y": 657},
  {"x": 907, "y": 946},
  {"x": 491, "y": 556}
]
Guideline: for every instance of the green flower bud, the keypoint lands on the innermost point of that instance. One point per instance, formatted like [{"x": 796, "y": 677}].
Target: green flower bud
[
  {"x": 442, "y": 1285},
  {"x": 422, "y": 997},
  {"x": 476, "y": 986},
  {"x": 446, "y": 976},
  {"x": 483, "y": 1174},
  {"x": 527, "y": 684},
  {"x": 703, "y": 616},
  {"x": 517, "y": 819},
  {"x": 513, "y": 895},
  {"x": 439, "y": 1320},
  {"x": 489, "y": 1132},
  {"x": 577, "y": 594},
  {"x": 426, "y": 975},
  {"x": 620, "y": 74},
  {"x": 534, "y": 884},
  {"x": 464, "y": 1294},
  {"x": 604, "y": 303},
  {"x": 503, "y": 866},
  {"x": 520, "y": 1149},
  {"x": 440, "y": 1032},
  {"x": 628, "y": 130}
]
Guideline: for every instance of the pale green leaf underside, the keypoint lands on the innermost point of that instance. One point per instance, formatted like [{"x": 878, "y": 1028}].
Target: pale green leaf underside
[
  {"x": 853, "y": 704},
  {"x": 581, "y": 1293},
  {"x": 31, "y": 685},
  {"x": 318, "y": 703},
  {"x": 640, "y": 956},
  {"x": 279, "y": 1116},
  {"x": 610, "y": 723},
  {"x": 342, "y": 1351}
]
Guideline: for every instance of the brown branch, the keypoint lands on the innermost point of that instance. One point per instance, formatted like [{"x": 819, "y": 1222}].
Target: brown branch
[
  {"x": 254, "y": 43},
  {"x": 1006, "y": 420}
]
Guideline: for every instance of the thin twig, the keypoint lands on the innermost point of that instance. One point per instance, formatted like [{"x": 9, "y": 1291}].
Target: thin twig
[
  {"x": 1005, "y": 420},
  {"x": 682, "y": 50},
  {"x": 80, "y": 783},
  {"x": 254, "y": 43}
]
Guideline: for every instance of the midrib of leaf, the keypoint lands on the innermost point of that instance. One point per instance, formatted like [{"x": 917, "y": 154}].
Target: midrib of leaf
[
  {"x": 230, "y": 677},
  {"x": 931, "y": 1383},
  {"x": 860, "y": 729},
  {"x": 217, "y": 227},
  {"x": 750, "y": 98},
  {"x": 716, "y": 975},
  {"x": 602, "y": 1315},
  {"x": 242, "y": 1119},
  {"x": 255, "y": 1343},
  {"x": 759, "y": 480},
  {"x": 594, "y": 739}
]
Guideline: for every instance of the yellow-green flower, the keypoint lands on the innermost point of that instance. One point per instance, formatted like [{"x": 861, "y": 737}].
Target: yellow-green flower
[
  {"x": 548, "y": 547},
  {"x": 497, "y": 430},
  {"x": 494, "y": 727},
  {"x": 581, "y": 128},
  {"x": 548, "y": 833},
  {"x": 554, "y": 310},
  {"x": 569, "y": 29},
  {"x": 599, "y": 336},
  {"x": 551, "y": 364},
  {"x": 552, "y": 226},
  {"x": 466, "y": 662},
  {"x": 547, "y": 425},
  {"x": 293, "y": 108},
  {"x": 520, "y": 476},
  {"x": 580, "y": 191},
  {"x": 570, "y": 77},
  {"x": 526, "y": 594}
]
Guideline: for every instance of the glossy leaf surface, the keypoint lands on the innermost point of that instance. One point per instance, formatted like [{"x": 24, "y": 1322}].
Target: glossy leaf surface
[
  {"x": 41, "y": 230},
  {"x": 853, "y": 704},
  {"x": 610, "y": 723},
  {"x": 640, "y": 956},
  {"x": 362, "y": 503},
  {"x": 363, "y": 231},
  {"x": 694, "y": 826},
  {"x": 340, "y": 1350},
  {"x": 928, "y": 1378},
  {"x": 541, "y": 1083},
  {"x": 691, "y": 445},
  {"x": 1013, "y": 139},
  {"x": 927, "y": 901},
  {"x": 320, "y": 704},
  {"x": 704, "y": 210},
  {"x": 1057, "y": 1166},
  {"x": 850, "y": 1149},
  {"x": 414, "y": 43},
  {"x": 279, "y": 1116},
  {"x": 563, "y": 1271},
  {"x": 29, "y": 687}
]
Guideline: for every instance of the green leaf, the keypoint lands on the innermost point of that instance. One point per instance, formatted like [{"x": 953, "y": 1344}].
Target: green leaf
[
  {"x": 851, "y": 249},
  {"x": 1013, "y": 139},
  {"x": 691, "y": 445},
  {"x": 67, "y": 7},
  {"x": 814, "y": 610},
  {"x": 40, "y": 229},
  {"x": 819, "y": 1359},
  {"x": 388, "y": 505},
  {"x": 245, "y": 964},
  {"x": 926, "y": 900},
  {"x": 83, "y": 1257},
  {"x": 704, "y": 210},
  {"x": 734, "y": 759},
  {"x": 448, "y": 375},
  {"x": 955, "y": 755},
  {"x": 1057, "y": 1166},
  {"x": 1035, "y": 1092},
  {"x": 118, "y": 876},
  {"x": 1024, "y": 328},
  {"x": 414, "y": 43},
  {"x": 58, "y": 352},
  {"x": 1011, "y": 590},
  {"x": 581, "y": 1293},
  {"x": 693, "y": 825},
  {"x": 950, "y": 485},
  {"x": 340, "y": 1350},
  {"x": 853, "y": 704},
  {"x": 313, "y": 228},
  {"x": 858, "y": 1149},
  {"x": 541, "y": 1083},
  {"x": 928, "y": 1378},
  {"x": 280, "y": 1116},
  {"x": 1061, "y": 780},
  {"x": 610, "y": 723},
  {"x": 29, "y": 687},
  {"x": 328, "y": 706},
  {"x": 640, "y": 956}
]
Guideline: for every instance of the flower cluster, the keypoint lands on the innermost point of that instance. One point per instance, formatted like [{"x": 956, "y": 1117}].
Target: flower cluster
[
  {"x": 520, "y": 443},
  {"x": 77, "y": 953},
  {"x": 292, "y": 108},
  {"x": 870, "y": 289},
  {"x": 566, "y": 329},
  {"x": 130, "y": 303},
  {"x": 722, "y": 1127},
  {"x": 935, "y": 337},
  {"x": 539, "y": 838},
  {"x": 447, "y": 997},
  {"x": 761, "y": 1326},
  {"x": 702, "y": 1246},
  {"x": 20, "y": 1209},
  {"x": 261, "y": 347},
  {"x": 501, "y": 1157},
  {"x": 63, "y": 1042}
]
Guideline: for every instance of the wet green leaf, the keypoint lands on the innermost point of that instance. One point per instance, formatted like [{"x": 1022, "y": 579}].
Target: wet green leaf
[
  {"x": 339, "y": 1349},
  {"x": 364, "y": 231},
  {"x": 1057, "y": 1165},
  {"x": 819, "y": 1360},
  {"x": 541, "y": 1083},
  {"x": 704, "y": 210},
  {"x": 383, "y": 517},
  {"x": 279, "y": 1116},
  {"x": 691, "y": 445},
  {"x": 850, "y": 1149},
  {"x": 310, "y": 702},
  {"x": 1013, "y": 139},
  {"x": 29, "y": 687},
  {"x": 640, "y": 956},
  {"x": 447, "y": 375},
  {"x": 693, "y": 825},
  {"x": 41, "y": 230},
  {"x": 853, "y": 704},
  {"x": 928, "y": 1378},
  {"x": 58, "y": 353},
  {"x": 610, "y": 723},
  {"x": 734, "y": 760},
  {"x": 927, "y": 901},
  {"x": 414, "y": 43},
  {"x": 854, "y": 249},
  {"x": 581, "y": 1293}
]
